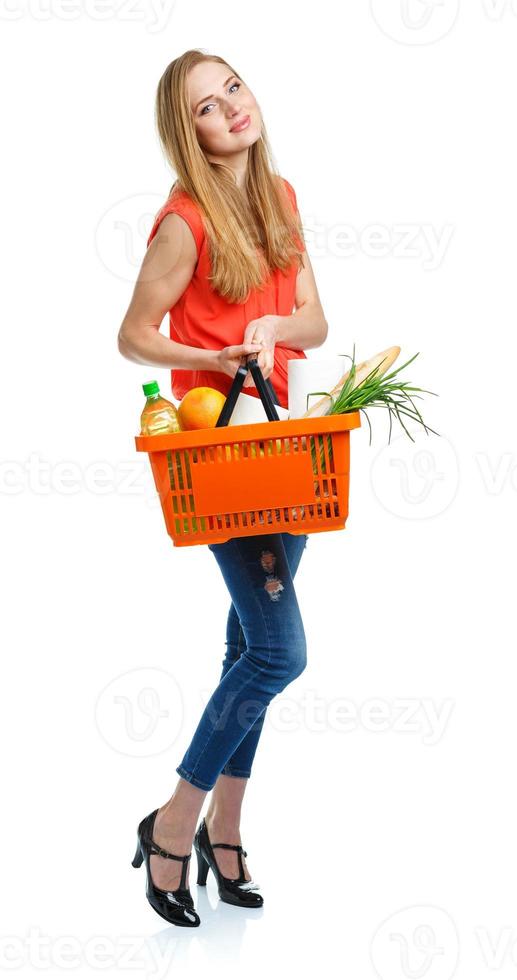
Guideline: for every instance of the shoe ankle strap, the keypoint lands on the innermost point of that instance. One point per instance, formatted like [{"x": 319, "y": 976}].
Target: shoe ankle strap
[
  {"x": 233, "y": 847},
  {"x": 155, "y": 849},
  {"x": 240, "y": 854}
]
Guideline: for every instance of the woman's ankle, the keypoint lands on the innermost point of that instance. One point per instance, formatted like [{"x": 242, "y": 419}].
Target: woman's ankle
[
  {"x": 227, "y": 825},
  {"x": 172, "y": 821}
]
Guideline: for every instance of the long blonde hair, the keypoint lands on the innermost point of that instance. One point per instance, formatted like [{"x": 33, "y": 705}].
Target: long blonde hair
[{"x": 247, "y": 237}]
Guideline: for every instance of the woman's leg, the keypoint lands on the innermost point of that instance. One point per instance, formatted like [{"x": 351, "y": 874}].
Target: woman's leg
[
  {"x": 258, "y": 576},
  {"x": 282, "y": 648},
  {"x": 223, "y": 816},
  {"x": 241, "y": 761},
  {"x": 174, "y": 829}
]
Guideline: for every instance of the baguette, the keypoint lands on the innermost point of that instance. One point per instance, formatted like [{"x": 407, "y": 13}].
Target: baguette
[{"x": 322, "y": 406}]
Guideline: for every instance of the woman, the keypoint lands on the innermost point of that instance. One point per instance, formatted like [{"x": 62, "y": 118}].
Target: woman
[{"x": 226, "y": 258}]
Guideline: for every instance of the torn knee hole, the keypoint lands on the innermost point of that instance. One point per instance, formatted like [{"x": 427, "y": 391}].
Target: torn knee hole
[
  {"x": 268, "y": 561},
  {"x": 273, "y": 587}
]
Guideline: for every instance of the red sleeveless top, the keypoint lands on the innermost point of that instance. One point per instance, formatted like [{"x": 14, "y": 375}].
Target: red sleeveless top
[{"x": 203, "y": 318}]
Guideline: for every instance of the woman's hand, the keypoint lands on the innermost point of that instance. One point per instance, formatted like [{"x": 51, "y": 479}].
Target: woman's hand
[
  {"x": 263, "y": 330},
  {"x": 229, "y": 359}
]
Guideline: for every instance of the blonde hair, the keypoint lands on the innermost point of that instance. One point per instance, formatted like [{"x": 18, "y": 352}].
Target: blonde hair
[{"x": 247, "y": 238}]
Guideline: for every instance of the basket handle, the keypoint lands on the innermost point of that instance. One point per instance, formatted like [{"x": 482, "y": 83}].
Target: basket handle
[{"x": 264, "y": 387}]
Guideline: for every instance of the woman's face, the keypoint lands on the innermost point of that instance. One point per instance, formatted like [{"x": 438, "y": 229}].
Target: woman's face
[{"x": 219, "y": 101}]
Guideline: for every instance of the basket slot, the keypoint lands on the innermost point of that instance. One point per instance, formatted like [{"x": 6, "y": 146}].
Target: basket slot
[
  {"x": 323, "y": 462},
  {"x": 331, "y": 482},
  {"x": 321, "y": 453},
  {"x": 317, "y": 463},
  {"x": 181, "y": 497},
  {"x": 327, "y": 450},
  {"x": 189, "y": 501},
  {"x": 170, "y": 466},
  {"x": 316, "y": 460}
]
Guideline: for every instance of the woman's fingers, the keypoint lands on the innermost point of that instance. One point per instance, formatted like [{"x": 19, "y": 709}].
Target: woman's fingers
[
  {"x": 240, "y": 349},
  {"x": 265, "y": 362}
]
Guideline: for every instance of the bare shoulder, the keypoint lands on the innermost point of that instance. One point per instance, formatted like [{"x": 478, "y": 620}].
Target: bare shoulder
[
  {"x": 286, "y": 184},
  {"x": 172, "y": 247}
]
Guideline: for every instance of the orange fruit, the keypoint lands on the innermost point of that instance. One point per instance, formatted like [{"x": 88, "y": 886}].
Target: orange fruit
[{"x": 200, "y": 408}]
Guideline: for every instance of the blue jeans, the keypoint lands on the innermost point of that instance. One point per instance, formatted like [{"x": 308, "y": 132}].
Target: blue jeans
[{"x": 266, "y": 650}]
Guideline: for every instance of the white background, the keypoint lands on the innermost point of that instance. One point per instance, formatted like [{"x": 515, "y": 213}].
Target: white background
[{"x": 383, "y": 847}]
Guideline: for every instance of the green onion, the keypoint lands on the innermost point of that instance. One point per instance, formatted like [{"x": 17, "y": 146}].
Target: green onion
[{"x": 377, "y": 391}]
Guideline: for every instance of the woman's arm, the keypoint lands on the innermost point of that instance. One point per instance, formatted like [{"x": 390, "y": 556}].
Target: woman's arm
[
  {"x": 307, "y": 327},
  {"x": 167, "y": 268}
]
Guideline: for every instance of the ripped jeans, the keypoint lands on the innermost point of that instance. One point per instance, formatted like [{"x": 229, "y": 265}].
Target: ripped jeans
[{"x": 266, "y": 650}]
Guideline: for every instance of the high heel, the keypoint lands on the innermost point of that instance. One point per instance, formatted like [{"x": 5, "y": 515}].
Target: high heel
[
  {"x": 235, "y": 891},
  {"x": 177, "y": 907},
  {"x": 203, "y": 868},
  {"x": 138, "y": 858}
]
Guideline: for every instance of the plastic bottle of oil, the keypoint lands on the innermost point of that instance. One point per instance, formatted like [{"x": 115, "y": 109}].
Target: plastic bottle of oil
[{"x": 159, "y": 415}]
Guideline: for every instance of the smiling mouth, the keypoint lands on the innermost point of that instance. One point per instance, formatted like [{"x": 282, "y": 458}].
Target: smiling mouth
[{"x": 244, "y": 123}]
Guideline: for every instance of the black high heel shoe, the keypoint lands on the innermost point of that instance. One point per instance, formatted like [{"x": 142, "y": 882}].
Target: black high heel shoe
[
  {"x": 177, "y": 907},
  {"x": 235, "y": 891}
]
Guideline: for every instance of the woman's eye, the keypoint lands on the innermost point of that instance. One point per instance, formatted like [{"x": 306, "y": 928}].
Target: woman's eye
[{"x": 238, "y": 84}]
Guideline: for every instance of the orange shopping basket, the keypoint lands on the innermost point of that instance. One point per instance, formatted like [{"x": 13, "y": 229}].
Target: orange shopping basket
[{"x": 260, "y": 478}]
